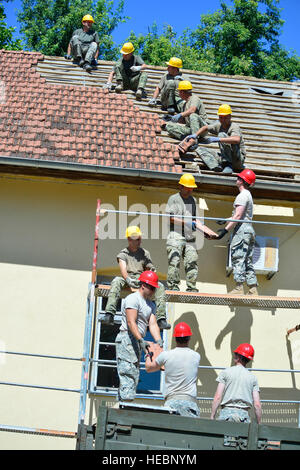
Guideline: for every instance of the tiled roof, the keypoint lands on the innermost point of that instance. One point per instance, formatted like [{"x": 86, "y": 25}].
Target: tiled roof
[{"x": 80, "y": 124}]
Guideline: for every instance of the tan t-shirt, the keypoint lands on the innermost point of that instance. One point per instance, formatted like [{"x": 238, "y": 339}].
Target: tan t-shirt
[
  {"x": 239, "y": 386},
  {"x": 234, "y": 130},
  {"x": 137, "y": 261}
]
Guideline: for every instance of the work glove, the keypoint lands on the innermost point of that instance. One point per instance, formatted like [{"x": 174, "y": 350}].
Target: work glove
[
  {"x": 160, "y": 342},
  {"x": 191, "y": 136},
  {"x": 107, "y": 86},
  {"x": 135, "y": 68},
  {"x": 152, "y": 102},
  {"x": 178, "y": 77},
  {"x": 68, "y": 57},
  {"x": 134, "y": 283},
  {"x": 144, "y": 345},
  {"x": 221, "y": 222},
  {"x": 222, "y": 232},
  {"x": 176, "y": 117},
  {"x": 210, "y": 140}
]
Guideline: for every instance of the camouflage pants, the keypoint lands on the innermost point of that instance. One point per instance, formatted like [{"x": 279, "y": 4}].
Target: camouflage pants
[
  {"x": 242, "y": 247},
  {"x": 128, "y": 355},
  {"x": 184, "y": 407},
  {"x": 180, "y": 131},
  {"x": 79, "y": 50},
  {"x": 169, "y": 96},
  {"x": 118, "y": 283},
  {"x": 229, "y": 154},
  {"x": 131, "y": 83},
  {"x": 177, "y": 249},
  {"x": 236, "y": 415}
]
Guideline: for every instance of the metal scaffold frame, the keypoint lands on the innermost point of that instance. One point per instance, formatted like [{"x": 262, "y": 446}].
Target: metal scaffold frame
[{"x": 94, "y": 291}]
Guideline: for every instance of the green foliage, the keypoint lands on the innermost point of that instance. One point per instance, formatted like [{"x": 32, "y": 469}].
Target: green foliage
[
  {"x": 238, "y": 40},
  {"x": 6, "y": 33},
  {"x": 47, "y": 25}
]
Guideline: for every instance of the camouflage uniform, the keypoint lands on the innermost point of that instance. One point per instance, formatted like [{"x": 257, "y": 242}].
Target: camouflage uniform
[
  {"x": 242, "y": 243},
  {"x": 192, "y": 123},
  {"x": 234, "y": 414},
  {"x": 168, "y": 86},
  {"x": 130, "y": 80},
  {"x": 242, "y": 247},
  {"x": 128, "y": 350},
  {"x": 136, "y": 263},
  {"x": 181, "y": 244},
  {"x": 84, "y": 44},
  {"x": 128, "y": 353},
  {"x": 229, "y": 154},
  {"x": 184, "y": 407}
]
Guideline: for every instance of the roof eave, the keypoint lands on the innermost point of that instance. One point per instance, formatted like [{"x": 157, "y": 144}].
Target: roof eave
[{"x": 272, "y": 187}]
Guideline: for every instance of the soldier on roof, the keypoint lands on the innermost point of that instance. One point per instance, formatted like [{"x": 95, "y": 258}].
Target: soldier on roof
[
  {"x": 129, "y": 72},
  {"x": 228, "y": 135},
  {"x": 168, "y": 87},
  {"x": 192, "y": 115},
  {"x": 84, "y": 44}
]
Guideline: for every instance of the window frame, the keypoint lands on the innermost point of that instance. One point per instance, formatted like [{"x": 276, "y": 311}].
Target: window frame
[{"x": 97, "y": 362}]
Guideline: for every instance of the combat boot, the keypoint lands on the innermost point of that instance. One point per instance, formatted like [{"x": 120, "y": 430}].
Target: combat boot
[
  {"x": 253, "y": 290},
  {"x": 163, "y": 325},
  {"x": 238, "y": 290},
  {"x": 139, "y": 94},
  {"x": 108, "y": 319},
  {"x": 119, "y": 87}
]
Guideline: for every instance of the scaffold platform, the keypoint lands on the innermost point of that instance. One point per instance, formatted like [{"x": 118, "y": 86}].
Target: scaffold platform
[{"x": 258, "y": 301}]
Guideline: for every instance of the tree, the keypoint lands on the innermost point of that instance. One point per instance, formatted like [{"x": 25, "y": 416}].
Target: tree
[
  {"x": 244, "y": 40},
  {"x": 238, "y": 40},
  {"x": 6, "y": 33},
  {"x": 47, "y": 25}
]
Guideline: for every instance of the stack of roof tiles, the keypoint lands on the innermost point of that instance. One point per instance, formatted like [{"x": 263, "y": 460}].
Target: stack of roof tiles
[{"x": 77, "y": 124}]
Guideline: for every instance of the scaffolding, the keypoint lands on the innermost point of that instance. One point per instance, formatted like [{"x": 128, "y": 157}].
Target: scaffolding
[{"x": 99, "y": 290}]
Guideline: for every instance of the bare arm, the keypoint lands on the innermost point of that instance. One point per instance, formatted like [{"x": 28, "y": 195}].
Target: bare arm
[
  {"x": 235, "y": 139},
  {"x": 154, "y": 328},
  {"x": 202, "y": 131},
  {"x": 238, "y": 215},
  {"x": 123, "y": 268},
  {"x": 151, "y": 366},
  {"x": 131, "y": 315},
  {"x": 217, "y": 400},
  {"x": 257, "y": 406},
  {"x": 189, "y": 111}
]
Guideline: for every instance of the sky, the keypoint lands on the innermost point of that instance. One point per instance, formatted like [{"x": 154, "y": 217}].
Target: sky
[{"x": 144, "y": 13}]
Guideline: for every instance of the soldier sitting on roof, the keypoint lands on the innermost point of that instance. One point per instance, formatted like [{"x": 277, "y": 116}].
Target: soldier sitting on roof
[
  {"x": 134, "y": 260},
  {"x": 84, "y": 45},
  {"x": 192, "y": 115},
  {"x": 232, "y": 152},
  {"x": 129, "y": 73},
  {"x": 168, "y": 87}
]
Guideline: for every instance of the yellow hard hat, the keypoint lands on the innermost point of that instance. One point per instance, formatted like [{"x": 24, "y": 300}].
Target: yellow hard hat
[
  {"x": 133, "y": 232},
  {"x": 88, "y": 18},
  {"x": 175, "y": 62},
  {"x": 188, "y": 181},
  {"x": 185, "y": 85},
  {"x": 224, "y": 109},
  {"x": 127, "y": 48}
]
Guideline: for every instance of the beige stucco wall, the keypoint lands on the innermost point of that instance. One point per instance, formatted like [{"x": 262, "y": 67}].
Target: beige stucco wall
[{"x": 46, "y": 247}]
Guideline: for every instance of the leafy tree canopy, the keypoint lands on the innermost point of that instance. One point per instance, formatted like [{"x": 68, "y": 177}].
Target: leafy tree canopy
[
  {"x": 47, "y": 25},
  {"x": 239, "y": 40},
  {"x": 6, "y": 33}
]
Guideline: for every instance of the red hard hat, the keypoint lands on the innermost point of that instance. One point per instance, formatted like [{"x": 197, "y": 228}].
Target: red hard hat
[
  {"x": 182, "y": 329},
  {"x": 245, "y": 350},
  {"x": 248, "y": 176},
  {"x": 149, "y": 277}
]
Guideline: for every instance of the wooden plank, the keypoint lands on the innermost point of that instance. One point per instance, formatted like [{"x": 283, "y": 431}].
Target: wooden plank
[{"x": 102, "y": 290}]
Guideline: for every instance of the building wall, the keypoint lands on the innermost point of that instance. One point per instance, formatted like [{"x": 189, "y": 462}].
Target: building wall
[{"x": 46, "y": 248}]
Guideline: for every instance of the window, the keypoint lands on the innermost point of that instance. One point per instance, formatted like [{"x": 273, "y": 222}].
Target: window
[{"x": 104, "y": 376}]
